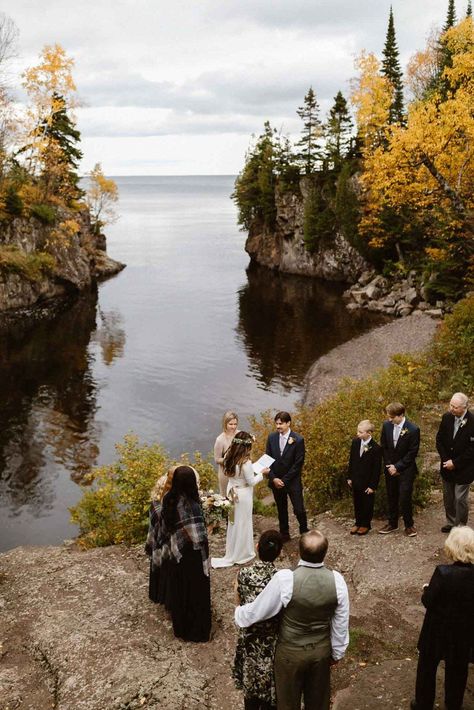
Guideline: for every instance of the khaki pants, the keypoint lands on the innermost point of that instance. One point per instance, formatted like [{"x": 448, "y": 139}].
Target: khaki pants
[{"x": 302, "y": 672}]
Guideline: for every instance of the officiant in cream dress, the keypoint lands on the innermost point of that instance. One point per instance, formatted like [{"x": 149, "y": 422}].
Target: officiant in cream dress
[
  {"x": 241, "y": 477},
  {"x": 230, "y": 421}
]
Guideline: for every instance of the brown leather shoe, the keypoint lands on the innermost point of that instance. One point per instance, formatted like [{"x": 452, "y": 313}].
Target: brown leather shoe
[
  {"x": 411, "y": 532},
  {"x": 387, "y": 529},
  {"x": 363, "y": 531},
  {"x": 354, "y": 529}
]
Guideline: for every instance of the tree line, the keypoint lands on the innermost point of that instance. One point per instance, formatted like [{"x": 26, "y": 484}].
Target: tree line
[
  {"x": 40, "y": 147},
  {"x": 398, "y": 183}
]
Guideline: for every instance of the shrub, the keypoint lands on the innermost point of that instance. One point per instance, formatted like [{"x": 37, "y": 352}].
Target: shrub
[
  {"x": 115, "y": 508},
  {"x": 33, "y": 266},
  {"x": 13, "y": 202},
  {"x": 45, "y": 213}
]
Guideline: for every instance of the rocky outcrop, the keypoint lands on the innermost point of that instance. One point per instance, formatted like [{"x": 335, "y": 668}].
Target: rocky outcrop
[
  {"x": 284, "y": 249},
  {"x": 395, "y": 298},
  {"x": 78, "y": 260}
]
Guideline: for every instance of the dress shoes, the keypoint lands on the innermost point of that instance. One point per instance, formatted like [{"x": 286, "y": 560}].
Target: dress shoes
[
  {"x": 411, "y": 532},
  {"x": 354, "y": 529},
  {"x": 388, "y": 529},
  {"x": 363, "y": 531},
  {"x": 285, "y": 537},
  {"x": 446, "y": 528}
]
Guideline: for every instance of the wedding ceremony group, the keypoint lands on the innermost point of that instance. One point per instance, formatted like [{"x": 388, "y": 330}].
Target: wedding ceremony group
[{"x": 293, "y": 625}]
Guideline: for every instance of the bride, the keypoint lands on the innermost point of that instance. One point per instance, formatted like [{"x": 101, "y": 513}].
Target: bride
[{"x": 238, "y": 468}]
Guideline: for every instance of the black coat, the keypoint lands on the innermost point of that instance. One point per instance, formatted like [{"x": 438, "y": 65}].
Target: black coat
[
  {"x": 403, "y": 455},
  {"x": 364, "y": 471},
  {"x": 459, "y": 448},
  {"x": 287, "y": 466},
  {"x": 448, "y": 627}
]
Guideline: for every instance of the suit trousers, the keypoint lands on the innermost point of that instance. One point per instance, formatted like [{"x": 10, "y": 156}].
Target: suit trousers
[
  {"x": 295, "y": 493},
  {"x": 455, "y": 679},
  {"x": 301, "y": 672},
  {"x": 399, "y": 494},
  {"x": 363, "y": 508},
  {"x": 456, "y": 502}
]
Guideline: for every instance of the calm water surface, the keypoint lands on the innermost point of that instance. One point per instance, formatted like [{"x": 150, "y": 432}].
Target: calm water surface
[{"x": 163, "y": 349}]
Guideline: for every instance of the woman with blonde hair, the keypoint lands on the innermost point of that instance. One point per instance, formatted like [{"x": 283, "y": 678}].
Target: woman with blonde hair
[
  {"x": 230, "y": 422},
  {"x": 158, "y": 588},
  {"x": 448, "y": 628},
  {"x": 241, "y": 479}
]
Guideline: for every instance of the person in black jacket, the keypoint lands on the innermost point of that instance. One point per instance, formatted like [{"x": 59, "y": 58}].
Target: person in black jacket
[
  {"x": 400, "y": 441},
  {"x": 365, "y": 461},
  {"x": 455, "y": 444},
  {"x": 448, "y": 628},
  {"x": 287, "y": 448}
]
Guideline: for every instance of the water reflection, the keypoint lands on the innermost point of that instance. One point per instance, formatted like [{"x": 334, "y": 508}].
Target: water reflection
[
  {"x": 286, "y": 322},
  {"x": 49, "y": 403},
  {"x": 110, "y": 334}
]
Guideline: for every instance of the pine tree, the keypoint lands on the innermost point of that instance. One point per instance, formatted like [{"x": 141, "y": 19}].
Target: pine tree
[
  {"x": 469, "y": 9},
  {"x": 338, "y": 131},
  {"x": 450, "y": 17},
  {"x": 310, "y": 153},
  {"x": 392, "y": 71}
]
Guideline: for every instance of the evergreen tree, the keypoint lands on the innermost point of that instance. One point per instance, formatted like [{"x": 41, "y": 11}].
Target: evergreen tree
[
  {"x": 309, "y": 154},
  {"x": 392, "y": 71},
  {"x": 469, "y": 9},
  {"x": 450, "y": 17},
  {"x": 62, "y": 156},
  {"x": 338, "y": 131}
]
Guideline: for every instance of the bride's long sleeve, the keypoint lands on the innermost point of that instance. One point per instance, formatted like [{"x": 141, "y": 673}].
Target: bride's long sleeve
[{"x": 251, "y": 478}]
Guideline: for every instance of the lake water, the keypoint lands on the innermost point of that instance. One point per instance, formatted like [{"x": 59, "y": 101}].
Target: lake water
[{"x": 185, "y": 332}]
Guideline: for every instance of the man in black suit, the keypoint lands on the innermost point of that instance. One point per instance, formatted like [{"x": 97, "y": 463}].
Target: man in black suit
[
  {"x": 365, "y": 462},
  {"x": 287, "y": 448},
  {"x": 400, "y": 441},
  {"x": 455, "y": 444}
]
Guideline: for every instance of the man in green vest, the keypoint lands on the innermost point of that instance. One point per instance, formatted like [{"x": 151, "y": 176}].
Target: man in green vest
[{"x": 314, "y": 630}]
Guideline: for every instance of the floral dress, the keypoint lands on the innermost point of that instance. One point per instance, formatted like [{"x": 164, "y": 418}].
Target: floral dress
[{"x": 253, "y": 663}]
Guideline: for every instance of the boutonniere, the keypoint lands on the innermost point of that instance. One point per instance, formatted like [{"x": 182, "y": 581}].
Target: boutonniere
[
  {"x": 291, "y": 440},
  {"x": 462, "y": 422},
  {"x": 366, "y": 448},
  {"x": 403, "y": 432}
]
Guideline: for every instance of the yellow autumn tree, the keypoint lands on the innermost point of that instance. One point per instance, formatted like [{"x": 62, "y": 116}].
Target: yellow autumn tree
[
  {"x": 418, "y": 187},
  {"x": 101, "y": 196},
  {"x": 51, "y": 141},
  {"x": 372, "y": 96}
]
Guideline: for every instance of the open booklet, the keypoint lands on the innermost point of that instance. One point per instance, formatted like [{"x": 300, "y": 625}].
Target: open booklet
[{"x": 264, "y": 461}]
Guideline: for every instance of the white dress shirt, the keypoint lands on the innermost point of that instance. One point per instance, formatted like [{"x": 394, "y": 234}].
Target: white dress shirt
[
  {"x": 283, "y": 440},
  {"x": 396, "y": 430},
  {"x": 363, "y": 444},
  {"x": 278, "y": 593}
]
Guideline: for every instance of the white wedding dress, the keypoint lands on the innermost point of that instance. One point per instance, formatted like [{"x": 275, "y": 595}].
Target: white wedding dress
[{"x": 239, "y": 547}]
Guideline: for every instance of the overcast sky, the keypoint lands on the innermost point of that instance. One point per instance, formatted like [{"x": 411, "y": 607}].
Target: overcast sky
[{"x": 178, "y": 87}]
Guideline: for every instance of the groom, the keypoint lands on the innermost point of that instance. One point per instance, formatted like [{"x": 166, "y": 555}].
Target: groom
[{"x": 287, "y": 448}]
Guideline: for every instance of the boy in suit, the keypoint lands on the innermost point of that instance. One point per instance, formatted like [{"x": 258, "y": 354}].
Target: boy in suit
[
  {"x": 287, "y": 448},
  {"x": 455, "y": 444},
  {"x": 400, "y": 441},
  {"x": 365, "y": 461}
]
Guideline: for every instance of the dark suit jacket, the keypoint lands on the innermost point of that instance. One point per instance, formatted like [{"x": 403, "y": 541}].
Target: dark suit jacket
[
  {"x": 460, "y": 448},
  {"x": 403, "y": 455},
  {"x": 364, "y": 471},
  {"x": 287, "y": 465},
  {"x": 448, "y": 627}
]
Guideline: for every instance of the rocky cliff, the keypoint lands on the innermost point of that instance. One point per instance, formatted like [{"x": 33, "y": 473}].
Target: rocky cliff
[
  {"x": 284, "y": 249},
  {"x": 40, "y": 263}
]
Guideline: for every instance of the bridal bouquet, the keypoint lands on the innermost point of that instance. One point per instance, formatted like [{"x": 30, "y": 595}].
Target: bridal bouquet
[{"x": 215, "y": 508}]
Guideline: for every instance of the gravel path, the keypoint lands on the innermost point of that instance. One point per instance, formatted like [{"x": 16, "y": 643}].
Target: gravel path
[{"x": 368, "y": 352}]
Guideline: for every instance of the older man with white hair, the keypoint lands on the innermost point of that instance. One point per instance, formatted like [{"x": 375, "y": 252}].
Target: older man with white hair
[{"x": 455, "y": 444}]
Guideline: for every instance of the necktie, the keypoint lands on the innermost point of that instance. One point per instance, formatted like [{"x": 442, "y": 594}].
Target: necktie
[
  {"x": 457, "y": 424},
  {"x": 282, "y": 443},
  {"x": 396, "y": 433}
]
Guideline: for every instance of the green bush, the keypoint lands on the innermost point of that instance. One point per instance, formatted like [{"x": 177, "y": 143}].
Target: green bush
[
  {"x": 13, "y": 202},
  {"x": 115, "y": 507},
  {"x": 45, "y": 213},
  {"x": 33, "y": 266}
]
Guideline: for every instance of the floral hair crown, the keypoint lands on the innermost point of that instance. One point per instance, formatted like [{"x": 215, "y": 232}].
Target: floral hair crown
[{"x": 247, "y": 442}]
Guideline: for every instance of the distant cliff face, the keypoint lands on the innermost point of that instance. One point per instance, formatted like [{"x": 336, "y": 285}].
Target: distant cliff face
[
  {"x": 284, "y": 248},
  {"x": 75, "y": 258}
]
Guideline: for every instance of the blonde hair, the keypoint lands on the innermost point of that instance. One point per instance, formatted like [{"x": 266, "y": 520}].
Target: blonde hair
[
  {"x": 228, "y": 416},
  {"x": 163, "y": 484},
  {"x": 459, "y": 545},
  {"x": 366, "y": 425}
]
